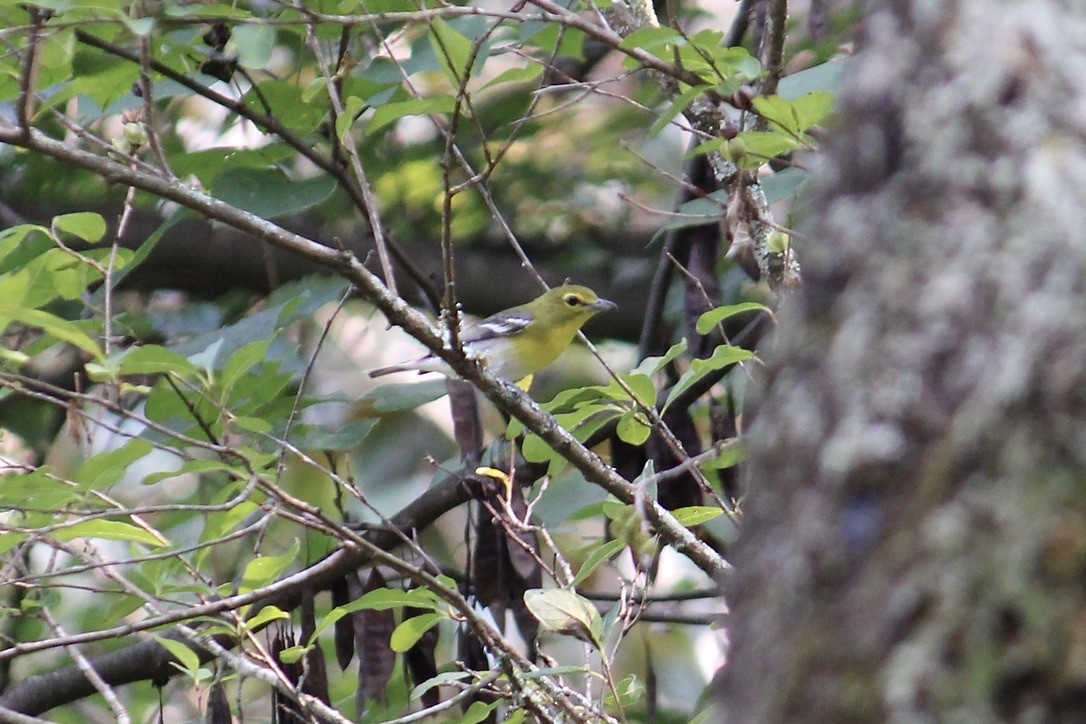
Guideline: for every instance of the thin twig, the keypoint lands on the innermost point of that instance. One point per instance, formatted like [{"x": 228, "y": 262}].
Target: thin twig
[{"x": 88, "y": 670}]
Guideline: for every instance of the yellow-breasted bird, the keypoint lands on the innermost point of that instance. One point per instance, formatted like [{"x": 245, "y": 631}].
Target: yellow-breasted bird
[{"x": 520, "y": 341}]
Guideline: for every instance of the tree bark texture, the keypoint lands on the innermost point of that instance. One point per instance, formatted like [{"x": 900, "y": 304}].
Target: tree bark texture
[{"x": 914, "y": 546}]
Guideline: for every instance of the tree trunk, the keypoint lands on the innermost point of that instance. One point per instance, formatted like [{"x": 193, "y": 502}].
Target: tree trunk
[{"x": 914, "y": 546}]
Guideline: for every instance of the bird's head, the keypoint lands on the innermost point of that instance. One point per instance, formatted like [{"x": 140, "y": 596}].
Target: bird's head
[{"x": 571, "y": 302}]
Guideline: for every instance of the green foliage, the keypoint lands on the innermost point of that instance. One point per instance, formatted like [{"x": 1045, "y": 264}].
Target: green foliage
[
  {"x": 565, "y": 612},
  {"x": 184, "y": 450}
]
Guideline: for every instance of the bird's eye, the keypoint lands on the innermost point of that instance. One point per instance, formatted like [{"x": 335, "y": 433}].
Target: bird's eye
[{"x": 571, "y": 300}]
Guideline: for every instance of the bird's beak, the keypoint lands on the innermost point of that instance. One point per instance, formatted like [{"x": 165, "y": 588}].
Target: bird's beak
[{"x": 602, "y": 305}]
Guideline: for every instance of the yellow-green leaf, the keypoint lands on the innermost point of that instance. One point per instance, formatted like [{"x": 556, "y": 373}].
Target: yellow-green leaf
[{"x": 111, "y": 530}]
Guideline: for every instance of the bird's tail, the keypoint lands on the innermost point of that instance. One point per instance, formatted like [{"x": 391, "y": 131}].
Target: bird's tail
[
  {"x": 382, "y": 371},
  {"x": 422, "y": 365}
]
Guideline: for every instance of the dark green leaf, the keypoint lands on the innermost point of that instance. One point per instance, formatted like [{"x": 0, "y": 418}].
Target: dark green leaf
[
  {"x": 270, "y": 193},
  {"x": 345, "y": 438},
  {"x": 395, "y": 397}
]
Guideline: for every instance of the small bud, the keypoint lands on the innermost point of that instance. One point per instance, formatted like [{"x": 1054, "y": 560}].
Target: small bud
[
  {"x": 742, "y": 98},
  {"x": 136, "y": 134},
  {"x": 777, "y": 241},
  {"x": 735, "y": 151}
]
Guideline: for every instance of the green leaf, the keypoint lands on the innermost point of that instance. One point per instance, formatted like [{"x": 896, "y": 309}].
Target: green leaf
[
  {"x": 345, "y": 438},
  {"x": 12, "y": 237},
  {"x": 655, "y": 39},
  {"x": 729, "y": 457},
  {"x": 408, "y": 633},
  {"x": 614, "y": 509},
  {"x": 382, "y": 599},
  {"x": 189, "y": 467},
  {"x": 395, "y": 397},
  {"x": 783, "y": 184},
  {"x": 813, "y": 108},
  {"x": 633, "y": 429},
  {"x": 516, "y": 75},
  {"x": 189, "y": 661},
  {"x": 824, "y": 77},
  {"x": 444, "y": 678},
  {"x": 292, "y": 654},
  {"x": 696, "y": 514},
  {"x": 713, "y": 317},
  {"x": 10, "y": 540},
  {"x": 766, "y": 145},
  {"x": 630, "y": 691},
  {"x": 106, "y": 468},
  {"x": 269, "y": 192},
  {"x": 255, "y": 44},
  {"x": 140, "y": 27},
  {"x": 565, "y": 612},
  {"x": 723, "y": 356},
  {"x": 679, "y": 105},
  {"x": 795, "y": 116},
  {"x": 592, "y": 510},
  {"x": 241, "y": 362},
  {"x": 207, "y": 164},
  {"x": 351, "y": 108},
  {"x": 452, "y": 50},
  {"x": 111, "y": 530},
  {"x": 652, "y": 365},
  {"x": 477, "y": 712},
  {"x": 302, "y": 115},
  {"x": 642, "y": 387},
  {"x": 265, "y": 616},
  {"x": 85, "y": 224},
  {"x": 223, "y": 10},
  {"x": 535, "y": 450},
  {"x": 52, "y": 325},
  {"x": 262, "y": 570},
  {"x": 251, "y": 424},
  {"x": 392, "y": 112},
  {"x": 220, "y": 523},
  {"x": 602, "y": 553},
  {"x": 777, "y": 110},
  {"x": 151, "y": 359}
]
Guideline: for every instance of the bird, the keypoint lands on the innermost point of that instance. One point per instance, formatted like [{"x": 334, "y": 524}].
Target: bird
[{"x": 518, "y": 342}]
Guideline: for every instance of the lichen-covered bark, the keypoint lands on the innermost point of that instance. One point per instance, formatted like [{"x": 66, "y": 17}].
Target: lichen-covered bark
[{"x": 915, "y": 539}]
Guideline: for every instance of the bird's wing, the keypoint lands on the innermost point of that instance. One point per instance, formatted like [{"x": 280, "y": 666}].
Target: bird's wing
[{"x": 503, "y": 324}]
